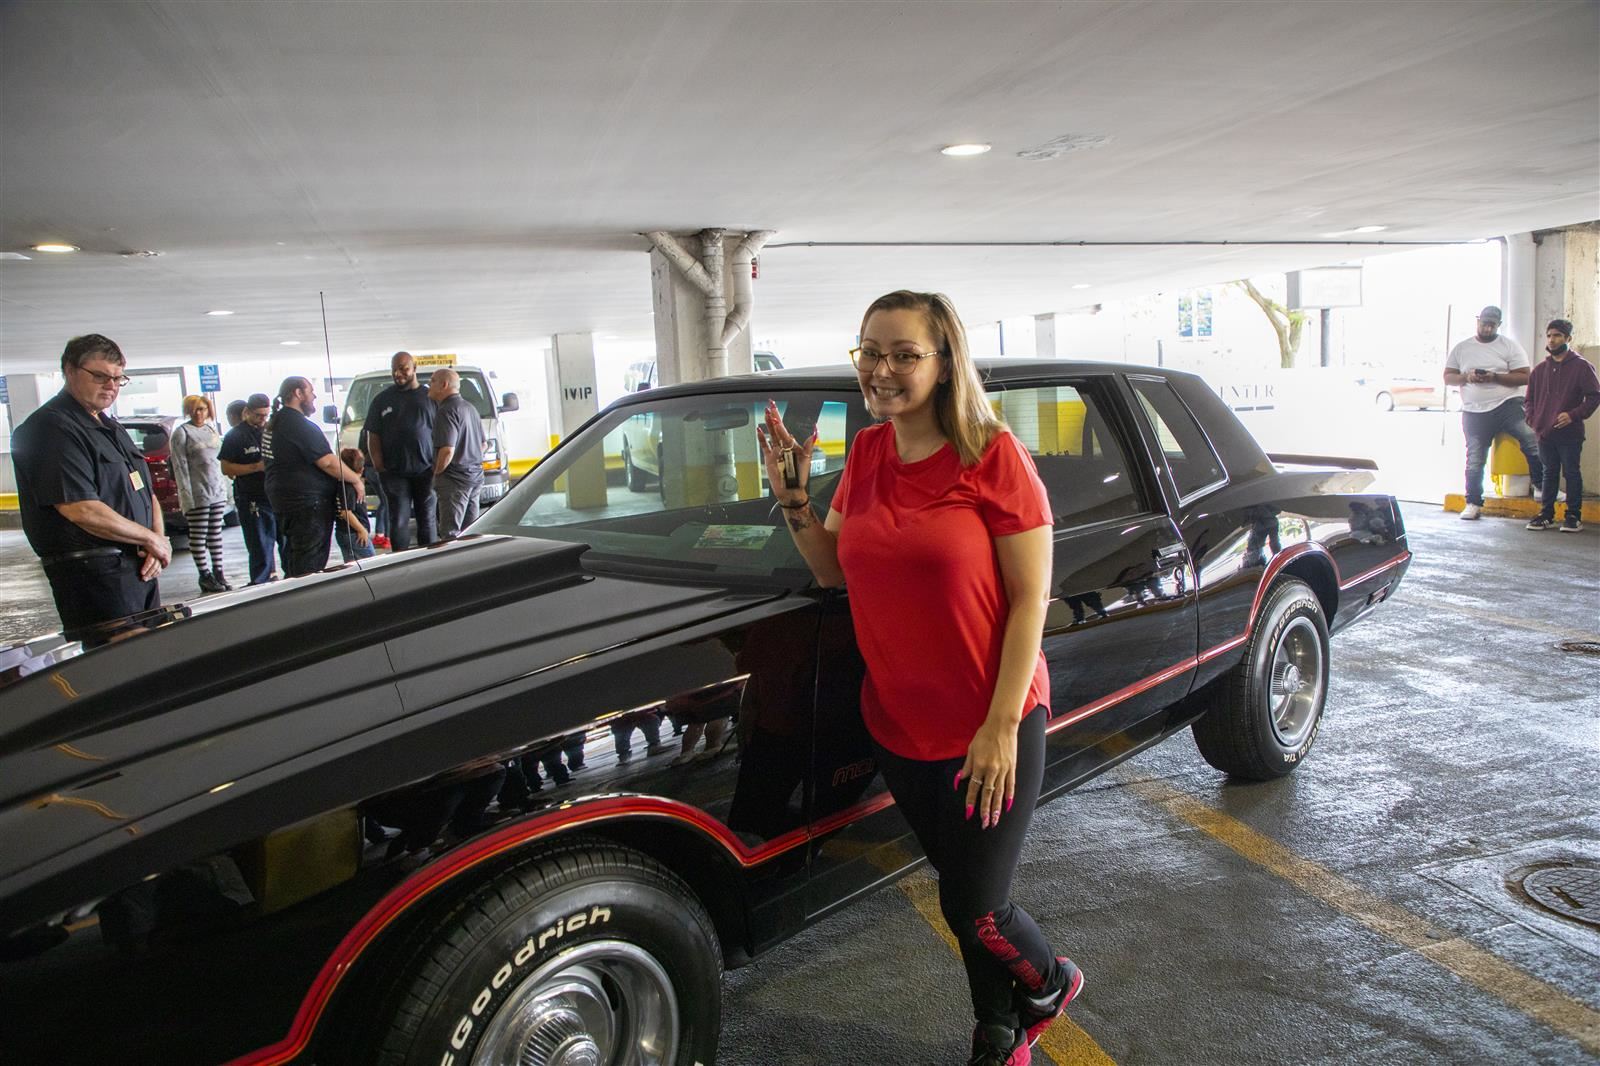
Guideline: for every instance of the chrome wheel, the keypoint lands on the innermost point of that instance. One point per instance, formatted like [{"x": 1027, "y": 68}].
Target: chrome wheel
[
  {"x": 1295, "y": 686},
  {"x": 605, "y": 1003}
]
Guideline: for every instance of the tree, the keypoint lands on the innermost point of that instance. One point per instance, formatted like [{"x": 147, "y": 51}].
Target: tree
[{"x": 1286, "y": 324}]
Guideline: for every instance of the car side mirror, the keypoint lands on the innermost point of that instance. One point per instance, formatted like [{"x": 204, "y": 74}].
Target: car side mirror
[
  {"x": 509, "y": 402},
  {"x": 330, "y": 413}
]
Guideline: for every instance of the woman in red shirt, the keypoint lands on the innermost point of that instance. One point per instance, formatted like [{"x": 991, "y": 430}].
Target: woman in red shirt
[{"x": 942, "y": 528}]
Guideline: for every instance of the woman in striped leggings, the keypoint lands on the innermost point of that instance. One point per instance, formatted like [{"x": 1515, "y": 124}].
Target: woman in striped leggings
[{"x": 202, "y": 490}]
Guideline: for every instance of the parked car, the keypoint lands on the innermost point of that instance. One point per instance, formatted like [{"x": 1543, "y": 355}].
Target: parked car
[
  {"x": 642, "y": 375},
  {"x": 304, "y": 822},
  {"x": 152, "y": 435},
  {"x": 1389, "y": 393},
  {"x": 641, "y": 438}
]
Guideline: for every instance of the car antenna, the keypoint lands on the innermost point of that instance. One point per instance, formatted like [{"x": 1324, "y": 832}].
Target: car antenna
[{"x": 327, "y": 354}]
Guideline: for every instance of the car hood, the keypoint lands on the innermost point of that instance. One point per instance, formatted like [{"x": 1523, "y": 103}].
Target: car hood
[{"x": 163, "y": 679}]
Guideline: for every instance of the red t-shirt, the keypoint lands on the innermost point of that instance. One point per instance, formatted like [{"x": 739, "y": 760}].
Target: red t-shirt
[{"x": 926, "y": 595}]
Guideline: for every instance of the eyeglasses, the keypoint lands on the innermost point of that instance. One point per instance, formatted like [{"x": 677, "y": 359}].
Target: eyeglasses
[
  {"x": 866, "y": 360},
  {"x": 118, "y": 380}
]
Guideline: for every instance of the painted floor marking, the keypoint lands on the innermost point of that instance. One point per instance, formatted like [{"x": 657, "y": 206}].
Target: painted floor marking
[
  {"x": 1064, "y": 1042},
  {"x": 1533, "y": 997}
]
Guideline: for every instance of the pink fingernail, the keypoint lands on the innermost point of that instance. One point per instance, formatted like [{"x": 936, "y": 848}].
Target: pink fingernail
[
  {"x": 1009, "y": 801},
  {"x": 969, "y": 812},
  {"x": 957, "y": 785}
]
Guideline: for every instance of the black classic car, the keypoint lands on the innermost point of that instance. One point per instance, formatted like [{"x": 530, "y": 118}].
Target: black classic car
[{"x": 522, "y": 797}]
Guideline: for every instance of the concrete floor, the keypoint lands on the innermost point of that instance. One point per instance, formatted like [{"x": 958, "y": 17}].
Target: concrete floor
[{"x": 1355, "y": 912}]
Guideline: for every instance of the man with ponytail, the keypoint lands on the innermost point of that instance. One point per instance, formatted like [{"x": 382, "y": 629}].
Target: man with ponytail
[{"x": 303, "y": 476}]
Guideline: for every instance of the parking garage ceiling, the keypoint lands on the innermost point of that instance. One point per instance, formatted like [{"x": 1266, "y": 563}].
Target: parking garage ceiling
[{"x": 460, "y": 175}]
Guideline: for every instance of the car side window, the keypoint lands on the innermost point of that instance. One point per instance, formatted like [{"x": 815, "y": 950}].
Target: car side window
[
  {"x": 1083, "y": 465},
  {"x": 1189, "y": 455}
]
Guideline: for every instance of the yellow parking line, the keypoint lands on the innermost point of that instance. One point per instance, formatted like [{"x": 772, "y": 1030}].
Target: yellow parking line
[
  {"x": 1528, "y": 994},
  {"x": 1064, "y": 1041}
]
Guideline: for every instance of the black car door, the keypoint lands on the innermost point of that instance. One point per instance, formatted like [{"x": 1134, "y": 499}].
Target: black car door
[{"x": 1120, "y": 629}]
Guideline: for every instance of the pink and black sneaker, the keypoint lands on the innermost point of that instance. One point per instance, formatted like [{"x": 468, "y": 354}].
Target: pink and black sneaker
[
  {"x": 1036, "y": 1015},
  {"x": 999, "y": 1045}
]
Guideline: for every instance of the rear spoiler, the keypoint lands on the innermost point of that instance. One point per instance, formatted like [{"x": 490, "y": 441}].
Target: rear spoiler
[{"x": 1340, "y": 462}]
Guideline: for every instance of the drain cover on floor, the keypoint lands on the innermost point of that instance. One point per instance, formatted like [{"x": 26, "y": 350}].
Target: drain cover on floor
[{"x": 1568, "y": 890}]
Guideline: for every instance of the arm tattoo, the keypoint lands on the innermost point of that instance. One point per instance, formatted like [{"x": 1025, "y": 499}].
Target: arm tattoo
[{"x": 801, "y": 519}]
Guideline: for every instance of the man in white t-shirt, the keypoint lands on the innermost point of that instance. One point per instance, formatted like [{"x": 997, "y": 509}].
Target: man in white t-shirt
[{"x": 1492, "y": 371}]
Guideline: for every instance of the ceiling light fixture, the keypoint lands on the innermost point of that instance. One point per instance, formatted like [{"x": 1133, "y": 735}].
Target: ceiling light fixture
[
  {"x": 288, "y": 344},
  {"x": 1082, "y": 285},
  {"x": 219, "y": 314},
  {"x": 964, "y": 149},
  {"x": 58, "y": 248}
]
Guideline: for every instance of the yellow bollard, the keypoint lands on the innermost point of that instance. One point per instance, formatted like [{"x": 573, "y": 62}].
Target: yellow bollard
[{"x": 1506, "y": 461}]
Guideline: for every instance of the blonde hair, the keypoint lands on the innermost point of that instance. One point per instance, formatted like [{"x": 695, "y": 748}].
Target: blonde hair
[
  {"x": 191, "y": 404},
  {"x": 959, "y": 404}
]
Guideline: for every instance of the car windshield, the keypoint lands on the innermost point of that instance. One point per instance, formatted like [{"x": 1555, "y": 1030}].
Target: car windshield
[
  {"x": 474, "y": 389},
  {"x": 678, "y": 485}
]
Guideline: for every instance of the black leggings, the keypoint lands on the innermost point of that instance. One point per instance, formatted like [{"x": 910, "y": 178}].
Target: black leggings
[{"x": 1004, "y": 952}]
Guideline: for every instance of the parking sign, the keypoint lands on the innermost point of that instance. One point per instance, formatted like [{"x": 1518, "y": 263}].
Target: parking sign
[{"x": 210, "y": 380}]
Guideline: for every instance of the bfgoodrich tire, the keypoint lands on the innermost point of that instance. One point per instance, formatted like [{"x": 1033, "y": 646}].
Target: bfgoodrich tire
[
  {"x": 1263, "y": 716},
  {"x": 590, "y": 953}
]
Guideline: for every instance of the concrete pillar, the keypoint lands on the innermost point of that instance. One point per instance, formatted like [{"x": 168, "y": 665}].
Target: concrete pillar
[
  {"x": 25, "y": 394},
  {"x": 1044, "y": 336},
  {"x": 552, "y": 400},
  {"x": 681, "y": 319},
  {"x": 1567, "y": 285},
  {"x": 1516, "y": 293},
  {"x": 576, "y": 401}
]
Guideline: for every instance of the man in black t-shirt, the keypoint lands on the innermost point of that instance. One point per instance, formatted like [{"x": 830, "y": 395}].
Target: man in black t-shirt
[
  {"x": 399, "y": 431},
  {"x": 241, "y": 460},
  {"x": 84, "y": 491},
  {"x": 302, "y": 476}
]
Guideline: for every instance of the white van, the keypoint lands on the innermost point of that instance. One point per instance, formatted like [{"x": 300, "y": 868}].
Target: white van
[{"x": 476, "y": 389}]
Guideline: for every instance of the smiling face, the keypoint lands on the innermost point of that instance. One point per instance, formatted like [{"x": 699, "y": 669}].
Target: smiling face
[
  {"x": 891, "y": 395},
  {"x": 403, "y": 369}
]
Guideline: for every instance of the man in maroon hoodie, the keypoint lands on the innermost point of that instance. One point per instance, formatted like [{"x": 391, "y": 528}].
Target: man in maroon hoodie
[{"x": 1562, "y": 391}]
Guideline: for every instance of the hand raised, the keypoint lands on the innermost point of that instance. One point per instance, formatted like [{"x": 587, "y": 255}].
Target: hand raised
[{"x": 778, "y": 446}]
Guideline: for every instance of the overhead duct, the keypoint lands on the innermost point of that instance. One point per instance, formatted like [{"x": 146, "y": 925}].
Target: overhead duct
[
  {"x": 705, "y": 274},
  {"x": 743, "y": 283}
]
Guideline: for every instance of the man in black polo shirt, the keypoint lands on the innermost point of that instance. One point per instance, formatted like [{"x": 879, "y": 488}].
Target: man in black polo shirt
[
  {"x": 241, "y": 460},
  {"x": 84, "y": 489},
  {"x": 302, "y": 476},
  {"x": 399, "y": 430}
]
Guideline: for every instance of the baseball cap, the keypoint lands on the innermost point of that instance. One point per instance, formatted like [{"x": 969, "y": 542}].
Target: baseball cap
[
  {"x": 258, "y": 399},
  {"x": 1489, "y": 314}
]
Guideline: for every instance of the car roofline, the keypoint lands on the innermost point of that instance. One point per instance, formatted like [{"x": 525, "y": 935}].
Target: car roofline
[{"x": 843, "y": 375}]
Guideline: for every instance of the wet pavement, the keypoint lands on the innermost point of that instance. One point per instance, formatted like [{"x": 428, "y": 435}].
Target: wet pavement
[{"x": 1364, "y": 910}]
